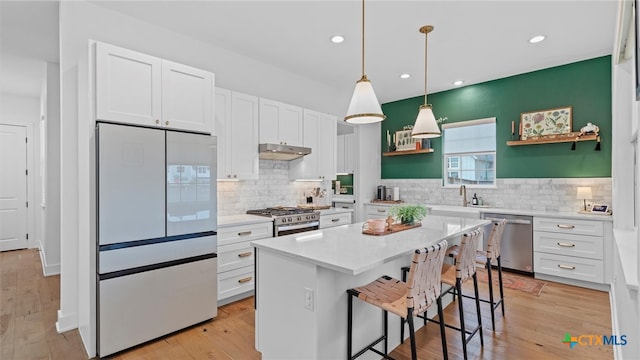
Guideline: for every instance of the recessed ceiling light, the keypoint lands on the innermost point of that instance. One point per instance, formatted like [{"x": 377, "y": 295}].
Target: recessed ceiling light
[
  {"x": 405, "y": 76},
  {"x": 458, "y": 82},
  {"x": 337, "y": 39},
  {"x": 536, "y": 39}
]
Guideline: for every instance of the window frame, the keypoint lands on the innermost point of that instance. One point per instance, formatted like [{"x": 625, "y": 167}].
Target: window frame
[{"x": 460, "y": 170}]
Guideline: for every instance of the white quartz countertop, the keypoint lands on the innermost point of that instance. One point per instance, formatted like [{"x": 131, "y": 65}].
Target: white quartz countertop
[
  {"x": 494, "y": 210},
  {"x": 242, "y": 219},
  {"x": 348, "y": 250}
]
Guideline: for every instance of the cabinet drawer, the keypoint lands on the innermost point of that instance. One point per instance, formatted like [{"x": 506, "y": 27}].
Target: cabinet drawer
[
  {"x": 569, "y": 267},
  {"x": 234, "y": 256},
  {"x": 568, "y": 244},
  {"x": 234, "y": 234},
  {"x": 568, "y": 226},
  {"x": 335, "y": 220},
  {"x": 377, "y": 211},
  {"x": 235, "y": 282}
]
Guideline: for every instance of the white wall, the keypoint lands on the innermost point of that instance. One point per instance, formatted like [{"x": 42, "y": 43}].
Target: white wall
[
  {"x": 50, "y": 222},
  {"x": 626, "y": 192},
  {"x": 25, "y": 111},
  {"x": 80, "y": 22}
]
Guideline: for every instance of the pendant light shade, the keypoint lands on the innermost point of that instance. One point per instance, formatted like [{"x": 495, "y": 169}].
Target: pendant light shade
[
  {"x": 426, "y": 125},
  {"x": 364, "y": 107}
]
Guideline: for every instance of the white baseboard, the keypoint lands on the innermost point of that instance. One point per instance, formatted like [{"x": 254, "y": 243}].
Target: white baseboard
[
  {"x": 47, "y": 269},
  {"x": 66, "y": 322}
]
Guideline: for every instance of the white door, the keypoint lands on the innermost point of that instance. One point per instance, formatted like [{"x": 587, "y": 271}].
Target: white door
[{"x": 13, "y": 187}]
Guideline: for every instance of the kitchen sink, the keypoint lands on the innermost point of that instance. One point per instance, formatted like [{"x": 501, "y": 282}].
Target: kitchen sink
[{"x": 459, "y": 211}]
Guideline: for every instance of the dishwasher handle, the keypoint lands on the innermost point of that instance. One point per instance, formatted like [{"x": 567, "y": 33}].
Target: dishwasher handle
[{"x": 512, "y": 221}]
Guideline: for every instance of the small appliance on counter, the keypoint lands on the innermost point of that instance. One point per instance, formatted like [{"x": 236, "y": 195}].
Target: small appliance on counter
[{"x": 382, "y": 193}]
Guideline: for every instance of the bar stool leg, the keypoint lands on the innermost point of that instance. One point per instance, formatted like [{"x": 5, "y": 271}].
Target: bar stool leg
[
  {"x": 386, "y": 331},
  {"x": 489, "y": 276},
  {"x": 475, "y": 289},
  {"x": 500, "y": 283},
  {"x": 412, "y": 334},
  {"x": 463, "y": 332},
  {"x": 443, "y": 337},
  {"x": 349, "y": 325}
]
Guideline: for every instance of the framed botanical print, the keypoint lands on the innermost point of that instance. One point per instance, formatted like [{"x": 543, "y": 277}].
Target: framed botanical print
[{"x": 546, "y": 122}]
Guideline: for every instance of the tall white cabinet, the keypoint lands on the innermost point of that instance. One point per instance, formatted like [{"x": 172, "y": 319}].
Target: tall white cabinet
[
  {"x": 141, "y": 89},
  {"x": 236, "y": 125},
  {"x": 319, "y": 134}
]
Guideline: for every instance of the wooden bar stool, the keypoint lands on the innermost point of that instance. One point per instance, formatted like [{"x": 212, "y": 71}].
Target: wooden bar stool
[
  {"x": 487, "y": 258},
  {"x": 463, "y": 270},
  {"x": 403, "y": 299}
]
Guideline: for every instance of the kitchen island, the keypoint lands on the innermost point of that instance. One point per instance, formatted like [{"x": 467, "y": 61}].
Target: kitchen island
[{"x": 301, "y": 283}]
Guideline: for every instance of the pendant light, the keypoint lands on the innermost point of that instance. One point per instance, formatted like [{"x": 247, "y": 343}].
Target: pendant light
[
  {"x": 426, "y": 125},
  {"x": 364, "y": 107}
]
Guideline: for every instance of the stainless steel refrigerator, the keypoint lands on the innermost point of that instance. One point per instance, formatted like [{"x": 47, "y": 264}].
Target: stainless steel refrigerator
[{"x": 156, "y": 223}]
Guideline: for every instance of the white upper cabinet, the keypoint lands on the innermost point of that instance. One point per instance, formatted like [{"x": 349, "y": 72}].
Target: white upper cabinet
[
  {"x": 237, "y": 130},
  {"x": 346, "y": 154},
  {"x": 187, "y": 97},
  {"x": 319, "y": 134},
  {"x": 127, "y": 86},
  {"x": 280, "y": 123},
  {"x": 140, "y": 89}
]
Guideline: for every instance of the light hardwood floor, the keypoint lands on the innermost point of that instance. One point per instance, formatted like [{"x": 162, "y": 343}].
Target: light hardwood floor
[{"x": 533, "y": 328}]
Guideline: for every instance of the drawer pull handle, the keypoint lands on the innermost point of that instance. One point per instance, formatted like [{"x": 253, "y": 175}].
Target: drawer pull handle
[
  {"x": 381, "y": 210},
  {"x": 244, "y": 280},
  {"x": 563, "y": 226},
  {"x": 248, "y": 253},
  {"x": 566, "y": 267},
  {"x": 244, "y": 233},
  {"x": 335, "y": 220},
  {"x": 566, "y": 244}
]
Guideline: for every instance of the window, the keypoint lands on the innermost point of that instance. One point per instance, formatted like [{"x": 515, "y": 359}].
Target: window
[{"x": 470, "y": 153}]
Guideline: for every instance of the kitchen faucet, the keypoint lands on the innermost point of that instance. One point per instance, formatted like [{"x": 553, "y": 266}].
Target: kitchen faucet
[{"x": 463, "y": 192}]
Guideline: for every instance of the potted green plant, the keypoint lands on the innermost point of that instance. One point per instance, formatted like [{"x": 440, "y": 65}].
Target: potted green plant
[{"x": 408, "y": 214}]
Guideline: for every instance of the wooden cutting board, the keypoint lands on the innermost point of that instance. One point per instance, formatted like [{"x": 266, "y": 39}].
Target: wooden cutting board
[{"x": 392, "y": 229}]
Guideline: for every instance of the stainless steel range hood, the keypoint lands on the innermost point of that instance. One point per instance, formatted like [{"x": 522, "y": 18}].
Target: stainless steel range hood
[{"x": 282, "y": 152}]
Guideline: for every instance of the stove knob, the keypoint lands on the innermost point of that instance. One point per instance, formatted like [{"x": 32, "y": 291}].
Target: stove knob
[
  {"x": 299, "y": 218},
  {"x": 289, "y": 219}
]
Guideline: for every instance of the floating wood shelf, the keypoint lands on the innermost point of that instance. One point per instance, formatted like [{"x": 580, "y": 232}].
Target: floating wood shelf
[
  {"x": 562, "y": 138},
  {"x": 407, "y": 152}
]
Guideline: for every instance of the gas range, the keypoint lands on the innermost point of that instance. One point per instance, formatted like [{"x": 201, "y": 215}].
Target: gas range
[{"x": 290, "y": 220}]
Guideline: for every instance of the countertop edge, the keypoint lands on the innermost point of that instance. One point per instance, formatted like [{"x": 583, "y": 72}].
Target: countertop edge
[{"x": 242, "y": 219}]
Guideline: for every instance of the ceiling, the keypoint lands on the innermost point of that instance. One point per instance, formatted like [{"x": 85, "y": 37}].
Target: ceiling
[{"x": 474, "y": 41}]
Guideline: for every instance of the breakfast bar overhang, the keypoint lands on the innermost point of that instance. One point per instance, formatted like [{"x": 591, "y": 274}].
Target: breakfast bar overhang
[{"x": 301, "y": 283}]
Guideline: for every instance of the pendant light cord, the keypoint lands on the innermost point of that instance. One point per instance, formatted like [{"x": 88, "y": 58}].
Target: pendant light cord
[
  {"x": 426, "y": 35},
  {"x": 363, "y": 75}
]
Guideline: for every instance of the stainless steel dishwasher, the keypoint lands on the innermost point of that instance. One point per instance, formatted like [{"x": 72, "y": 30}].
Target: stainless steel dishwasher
[{"x": 516, "y": 249}]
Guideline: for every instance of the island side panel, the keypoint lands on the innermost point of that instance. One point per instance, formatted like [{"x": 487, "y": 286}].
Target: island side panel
[{"x": 285, "y": 329}]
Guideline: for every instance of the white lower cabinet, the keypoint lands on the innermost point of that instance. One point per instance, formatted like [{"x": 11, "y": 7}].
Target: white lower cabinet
[
  {"x": 376, "y": 211},
  {"x": 236, "y": 259},
  {"x": 572, "y": 249},
  {"x": 331, "y": 220}
]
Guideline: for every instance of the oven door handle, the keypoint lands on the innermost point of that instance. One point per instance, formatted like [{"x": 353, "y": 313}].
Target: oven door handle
[{"x": 298, "y": 226}]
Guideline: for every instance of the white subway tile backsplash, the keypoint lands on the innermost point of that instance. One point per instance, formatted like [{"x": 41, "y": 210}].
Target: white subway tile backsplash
[{"x": 544, "y": 194}]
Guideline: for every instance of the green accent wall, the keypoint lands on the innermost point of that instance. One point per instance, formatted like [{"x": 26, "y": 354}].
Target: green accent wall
[{"x": 585, "y": 85}]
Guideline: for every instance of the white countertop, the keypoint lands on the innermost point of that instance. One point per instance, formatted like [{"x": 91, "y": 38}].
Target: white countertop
[
  {"x": 493, "y": 210},
  {"x": 242, "y": 219},
  {"x": 346, "y": 249}
]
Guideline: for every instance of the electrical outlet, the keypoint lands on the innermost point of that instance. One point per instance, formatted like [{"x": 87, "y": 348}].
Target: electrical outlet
[{"x": 308, "y": 298}]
